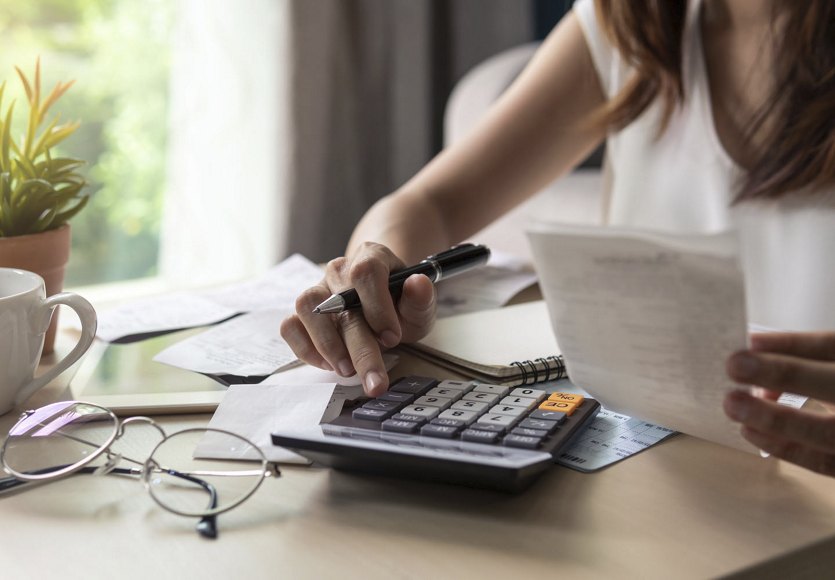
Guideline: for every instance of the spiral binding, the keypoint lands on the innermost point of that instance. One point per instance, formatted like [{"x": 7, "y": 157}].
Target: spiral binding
[{"x": 531, "y": 372}]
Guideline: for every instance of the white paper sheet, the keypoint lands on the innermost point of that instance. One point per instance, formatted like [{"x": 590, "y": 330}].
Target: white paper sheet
[
  {"x": 647, "y": 321},
  {"x": 295, "y": 398},
  {"x": 489, "y": 286},
  {"x": 276, "y": 289},
  {"x": 255, "y": 411},
  {"x": 170, "y": 312},
  {"x": 248, "y": 345}
]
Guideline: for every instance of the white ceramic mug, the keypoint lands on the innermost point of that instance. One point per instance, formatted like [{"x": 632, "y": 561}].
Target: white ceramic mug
[{"x": 25, "y": 312}]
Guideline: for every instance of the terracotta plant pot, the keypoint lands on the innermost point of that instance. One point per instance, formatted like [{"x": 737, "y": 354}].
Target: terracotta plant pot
[{"x": 47, "y": 255}]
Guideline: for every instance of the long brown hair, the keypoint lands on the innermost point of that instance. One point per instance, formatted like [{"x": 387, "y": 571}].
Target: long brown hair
[{"x": 797, "y": 145}]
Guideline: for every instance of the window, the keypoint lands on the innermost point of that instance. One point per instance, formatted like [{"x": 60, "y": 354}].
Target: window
[
  {"x": 118, "y": 52},
  {"x": 180, "y": 110}
]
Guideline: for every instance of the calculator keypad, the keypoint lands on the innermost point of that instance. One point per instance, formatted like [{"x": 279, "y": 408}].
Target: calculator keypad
[{"x": 470, "y": 411}]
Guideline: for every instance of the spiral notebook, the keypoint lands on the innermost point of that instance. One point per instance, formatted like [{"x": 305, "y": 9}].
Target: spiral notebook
[{"x": 513, "y": 345}]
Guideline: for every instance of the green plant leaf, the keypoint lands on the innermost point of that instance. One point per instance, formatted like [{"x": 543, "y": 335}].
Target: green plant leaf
[
  {"x": 64, "y": 216},
  {"x": 56, "y": 94},
  {"x": 26, "y": 86},
  {"x": 6, "y": 137},
  {"x": 37, "y": 191},
  {"x": 53, "y": 136},
  {"x": 41, "y": 141},
  {"x": 24, "y": 167}
]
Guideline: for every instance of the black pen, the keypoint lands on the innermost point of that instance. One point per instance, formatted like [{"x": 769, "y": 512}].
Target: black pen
[{"x": 448, "y": 263}]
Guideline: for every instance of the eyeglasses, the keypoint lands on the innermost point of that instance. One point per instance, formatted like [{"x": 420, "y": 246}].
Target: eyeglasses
[{"x": 67, "y": 437}]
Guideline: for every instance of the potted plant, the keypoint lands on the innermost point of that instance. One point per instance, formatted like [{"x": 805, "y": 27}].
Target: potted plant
[{"x": 39, "y": 190}]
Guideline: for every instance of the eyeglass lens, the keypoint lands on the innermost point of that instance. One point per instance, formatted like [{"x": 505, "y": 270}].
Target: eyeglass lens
[
  {"x": 182, "y": 481},
  {"x": 57, "y": 437}
]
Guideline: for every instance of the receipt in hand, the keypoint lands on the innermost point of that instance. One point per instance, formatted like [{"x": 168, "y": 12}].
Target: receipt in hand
[{"x": 646, "y": 321}]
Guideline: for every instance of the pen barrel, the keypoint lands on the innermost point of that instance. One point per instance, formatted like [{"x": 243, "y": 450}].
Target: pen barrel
[
  {"x": 459, "y": 259},
  {"x": 440, "y": 266}
]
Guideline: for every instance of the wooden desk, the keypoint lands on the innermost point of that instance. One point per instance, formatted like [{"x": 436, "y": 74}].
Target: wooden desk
[{"x": 682, "y": 509}]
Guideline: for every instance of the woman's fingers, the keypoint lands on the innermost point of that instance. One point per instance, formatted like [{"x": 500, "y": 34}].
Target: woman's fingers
[
  {"x": 369, "y": 276},
  {"x": 365, "y": 352},
  {"x": 779, "y": 372},
  {"x": 295, "y": 334},
  {"x": 815, "y": 459},
  {"x": 417, "y": 307},
  {"x": 812, "y": 345},
  {"x": 351, "y": 341},
  {"x": 813, "y": 430},
  {"x": 316, "y": 331}
]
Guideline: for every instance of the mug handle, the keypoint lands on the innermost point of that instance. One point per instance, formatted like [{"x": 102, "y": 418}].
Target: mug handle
[{"x": 87, "y": 315}]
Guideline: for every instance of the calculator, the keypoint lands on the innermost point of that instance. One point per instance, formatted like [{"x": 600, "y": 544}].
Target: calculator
[{"x": 463, "y": 432}]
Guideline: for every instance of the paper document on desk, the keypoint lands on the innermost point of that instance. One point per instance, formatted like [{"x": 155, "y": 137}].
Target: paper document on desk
[
  {"x": 248, "y": 345},
  {"x": 646, "y": 321},
  {"x": 162, "y": 313},
  {"x": 290, "y": 400},
  {"x": 489, "y": 286},
  {"x": 255, "y": 411},
  {"x": 277, "y": 288}
]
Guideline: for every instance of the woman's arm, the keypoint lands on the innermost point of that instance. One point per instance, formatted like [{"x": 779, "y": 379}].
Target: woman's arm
[{"x": 537, "y": 131}]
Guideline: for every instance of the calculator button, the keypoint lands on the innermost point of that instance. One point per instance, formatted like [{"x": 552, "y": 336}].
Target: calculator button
[
  {"x": 442, "y": 431},
  {"x": 539, "y": 424},
  {"x": 519, "y": 402},
  {"x": 530, "y": 393},
  {"x": 476, "y": 406},
  {"x": 566, "y": 398},
  {"x": 382, "y": 405},
  {"x": 459, "y": 415},
  {"x": 453, "y": 394},
  {"x": 522, "y": 441},
  {"x": 421, "y": 411},
  {"x": 396, "y": 397},
  {"x": 511, "y": 410},
  {"x": 479, "y": 436},
  {"x": 413, "y": 385},
  {"x": 370, "y": 414},
  {"x": 489, "y": 427},
  {"x": 458, "y": 423},
  {"x": 396, "y": 426},
  {"x": 567, "y": 408},
  {"x": 410, "y": 418},
  {"x": 526, "y": 432},
  {"x": 557, "y": 416},
  {"x": 440, "y": 402},
  {"x": 459, "y": 385},
  {"x": 483, "y": 397},
  {"x": 492, "y": 389},
  {"x": 496, "y": 419}
]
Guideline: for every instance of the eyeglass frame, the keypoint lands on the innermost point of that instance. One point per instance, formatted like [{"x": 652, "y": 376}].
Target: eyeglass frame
[{"x": 207, "y": 525}]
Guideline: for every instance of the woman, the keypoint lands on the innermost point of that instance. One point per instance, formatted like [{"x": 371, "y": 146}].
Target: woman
[{"x": 717, "y": 114}]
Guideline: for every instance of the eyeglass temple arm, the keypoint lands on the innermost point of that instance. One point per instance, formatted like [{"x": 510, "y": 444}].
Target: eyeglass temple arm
[{"x": 206, "y": 527}]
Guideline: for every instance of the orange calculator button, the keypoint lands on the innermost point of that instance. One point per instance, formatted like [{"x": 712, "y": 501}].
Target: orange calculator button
[
  {"x": 566, "y": 398},
  {"x": 567, "y": 408}
]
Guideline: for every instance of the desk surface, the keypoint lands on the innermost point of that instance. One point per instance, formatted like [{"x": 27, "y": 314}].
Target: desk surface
[{"x": 684, "y": 508}]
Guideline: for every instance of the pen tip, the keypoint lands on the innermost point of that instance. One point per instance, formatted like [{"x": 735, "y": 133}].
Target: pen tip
[{"x": 316, "y": 310}]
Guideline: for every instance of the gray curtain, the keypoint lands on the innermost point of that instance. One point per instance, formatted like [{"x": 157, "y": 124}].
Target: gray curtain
[{"x": 369, "y": 82}]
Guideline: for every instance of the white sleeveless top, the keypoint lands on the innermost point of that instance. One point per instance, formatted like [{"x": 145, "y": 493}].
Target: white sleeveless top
[{"x": 684, "y": 181}]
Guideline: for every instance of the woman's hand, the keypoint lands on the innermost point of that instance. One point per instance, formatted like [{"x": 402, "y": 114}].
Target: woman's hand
[
  {"x": 802, "y": 363},
  {"x": 352, "y": 341}
]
